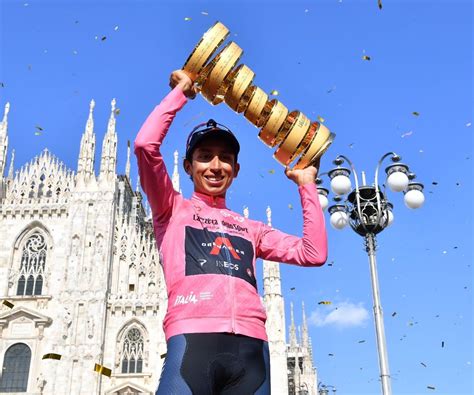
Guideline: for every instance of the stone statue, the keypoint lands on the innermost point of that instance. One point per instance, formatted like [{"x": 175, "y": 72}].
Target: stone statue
[{"x": 67, "y": 322}]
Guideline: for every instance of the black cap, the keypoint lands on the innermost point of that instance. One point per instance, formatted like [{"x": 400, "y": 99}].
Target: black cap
[{"x": 207, "y": 129}]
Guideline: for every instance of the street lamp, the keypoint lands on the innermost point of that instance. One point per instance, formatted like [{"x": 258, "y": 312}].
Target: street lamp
[
  {"x": 368, "y": 212},
  {"x": 303, "y": 389}
]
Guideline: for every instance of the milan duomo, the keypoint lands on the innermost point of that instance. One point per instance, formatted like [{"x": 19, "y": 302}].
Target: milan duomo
[{"x": 80, "y": 278}]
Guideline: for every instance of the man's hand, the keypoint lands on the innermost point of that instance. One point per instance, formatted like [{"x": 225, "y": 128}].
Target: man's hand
[
  {"x": 303, "y": 176},
  {"x": 181, "y": 79}
]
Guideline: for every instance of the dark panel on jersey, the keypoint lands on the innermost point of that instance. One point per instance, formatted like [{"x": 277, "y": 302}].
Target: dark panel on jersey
[{"x": 218, "y": 253}]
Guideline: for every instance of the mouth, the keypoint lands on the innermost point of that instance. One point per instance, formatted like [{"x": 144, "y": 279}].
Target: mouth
[{"x": 214, "y": 180}]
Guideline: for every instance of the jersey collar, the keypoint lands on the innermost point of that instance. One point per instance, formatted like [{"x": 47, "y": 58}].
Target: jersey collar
[{"x": 211, "y": 201}]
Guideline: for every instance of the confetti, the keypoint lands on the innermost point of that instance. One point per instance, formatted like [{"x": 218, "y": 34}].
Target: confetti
[
  {"x": 394, "y": 314},
  {"x": 468, "y": 124},
  {"x": 187, "y": 18},
  {"x": 271, "y": 171},
  {"x": 331, "y": 263},
  {"x": 379, "y": 3},
  {"x": 8, "y": 304},
  {"x": 423, "y": 364},
  {"x": 52, "y": 355},
  {"x": 365, "y": 57},
  {"x": 320, "y": 119},
  {"x": 2, "y": 84},
  {"x": 407, "y": 134},
  {"x": 116, "y": 28},
  {"x": 351, "y": 145},
  {"x": 430, "y": 387},
  {"x": 434, "y": 183},
  {"x": 204, "y": 13},
  {"x": 37, "y": 133},
  {"x": 292, "y": 288},
  {"x": 103, "y": 38},
  {"x": 102, "y": 370},
  {"x": 306, "y": 10},
  {"x": 331, "y": 90},
  {"x": 416, "y": 113},
  {"x": 74, "y": 52},
  {"x": 290, "y": 206},
  {"x": 361, "y": 341},
  {"x": 274, "y": 92},
  {"x": 117, "y": 111},
  {"x": 324, "y": 302},
  {"x": 331, "y": 355},
  {"x": 163, "y": 355},
  {"x": 39, "y": 127},
  {"x": 442, "y": 344}
]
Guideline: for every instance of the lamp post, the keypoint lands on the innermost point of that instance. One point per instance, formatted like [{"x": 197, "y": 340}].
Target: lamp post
[{"x": 368, "y": 212}]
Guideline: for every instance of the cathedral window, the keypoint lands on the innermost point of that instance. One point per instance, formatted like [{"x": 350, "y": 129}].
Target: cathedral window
[
  {"x": 132, "y": 352},
  {"x": 32, "y": 266},
  {"x": 16, "y": 368}
]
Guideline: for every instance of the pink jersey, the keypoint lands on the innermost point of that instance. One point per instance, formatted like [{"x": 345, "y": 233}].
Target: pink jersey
[{"x": 208, "y": 252}]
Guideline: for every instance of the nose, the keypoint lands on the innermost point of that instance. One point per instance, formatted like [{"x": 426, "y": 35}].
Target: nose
[{"x": 215, "y": 163}]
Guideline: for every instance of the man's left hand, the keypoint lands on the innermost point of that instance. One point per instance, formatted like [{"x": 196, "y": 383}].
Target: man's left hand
[{"x": 303, "y": 176}]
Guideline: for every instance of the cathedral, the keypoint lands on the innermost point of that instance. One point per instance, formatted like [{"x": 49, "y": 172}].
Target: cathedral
[{"x": 83, "y": 297}]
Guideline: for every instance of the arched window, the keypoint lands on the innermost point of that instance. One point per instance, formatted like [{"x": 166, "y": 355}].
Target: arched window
[
  {"x": 32, "y": 267},
  {"x": 132, "y": 352},
  {"x": 16, "y": 368}
]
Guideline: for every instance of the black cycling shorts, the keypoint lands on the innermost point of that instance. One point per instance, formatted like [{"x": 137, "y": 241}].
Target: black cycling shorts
[{"x": 215, "y": 363}]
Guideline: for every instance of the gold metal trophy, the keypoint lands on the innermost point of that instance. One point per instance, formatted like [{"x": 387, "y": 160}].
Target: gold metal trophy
[{"x": 220, "y": 79}]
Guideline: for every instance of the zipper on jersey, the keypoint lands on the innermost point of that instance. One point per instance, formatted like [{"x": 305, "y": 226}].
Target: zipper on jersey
[{"x": 231, "y": 285}]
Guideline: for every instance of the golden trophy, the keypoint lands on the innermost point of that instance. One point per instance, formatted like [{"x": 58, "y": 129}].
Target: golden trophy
[{"x": 299, "y": 141}]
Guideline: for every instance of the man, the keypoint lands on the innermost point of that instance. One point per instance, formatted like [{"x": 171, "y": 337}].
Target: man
[{"x": 215, "y": 322}]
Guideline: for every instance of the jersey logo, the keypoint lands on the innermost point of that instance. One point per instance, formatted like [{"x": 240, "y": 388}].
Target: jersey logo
[
  {"x": 209, "y": 252},
  {"x": 223, "y": 241}
]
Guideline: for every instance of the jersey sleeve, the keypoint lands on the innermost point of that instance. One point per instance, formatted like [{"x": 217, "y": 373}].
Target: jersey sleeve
[
  {"x": 309, "y": 250},
  {"x": 154, "y": 178}
]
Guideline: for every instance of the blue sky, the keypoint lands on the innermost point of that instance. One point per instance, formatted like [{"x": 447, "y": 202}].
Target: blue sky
[{"x": 312, "y": 52}]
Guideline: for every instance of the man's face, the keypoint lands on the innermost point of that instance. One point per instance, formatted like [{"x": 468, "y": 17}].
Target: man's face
[{"x": 213, "y": 167}]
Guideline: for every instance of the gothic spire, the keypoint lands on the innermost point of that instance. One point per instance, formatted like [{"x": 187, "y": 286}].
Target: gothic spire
[
  {"x": 293, "y": 341},
  {"x": 4, "y": 140},
  {"x": 127, "y": 165},
  {"x": 305, "y": 336},
  {"x": 269, "y": 216},
  {"x": 175, "y": 176},
  {"x": 109, "y": 148},
  {"x": 12, "y": 164},
  {"x": 85, "y": 164}
]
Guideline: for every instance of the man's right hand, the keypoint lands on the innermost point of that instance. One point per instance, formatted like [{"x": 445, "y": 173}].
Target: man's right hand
[{"x": 181, "y": 79}]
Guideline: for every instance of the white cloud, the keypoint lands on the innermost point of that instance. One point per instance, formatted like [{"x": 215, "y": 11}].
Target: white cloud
[{"x": 344, "y": 315}]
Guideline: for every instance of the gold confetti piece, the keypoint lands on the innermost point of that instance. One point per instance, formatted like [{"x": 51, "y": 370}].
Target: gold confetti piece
[
  {"x": 423, "y": 364},
  {"x": 366, "y": 57},
  {"x": 37, "y": 133},
  {"x": 290, "y": 206},
  {"x": 204, "y": 13},
  {"x": 103, "y": 38},
  {"x": 187, "y": 18},
  {"x": 324, "y": 302},
  {"x": 117, "y": 111},
  {"x": 102, "y": 370},
  {"x": 416, "y": 113},
  {"x": 52, "y": 355},
  {"x": 320, "y": 119},
  {"x": 8, "y": 304},
  {"x": 163, "y": 355},
  {"x": 379, "y": 2},
  {"x": 271, "y": 171},
  {"x": 274, "y": 92},
  {"x": 116, "y": 28},
  {"x": 430, "y": 387}
]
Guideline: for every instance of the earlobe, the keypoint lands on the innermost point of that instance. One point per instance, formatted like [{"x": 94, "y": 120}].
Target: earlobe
[{"x": 236, "y": 170}]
